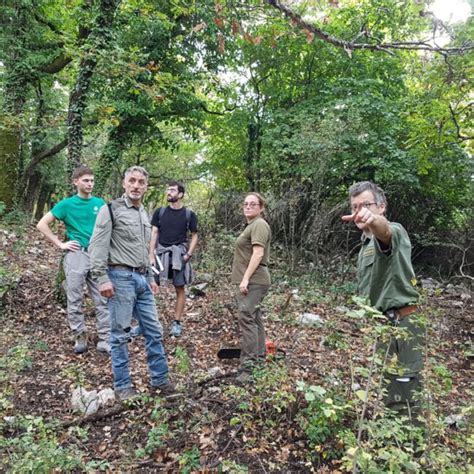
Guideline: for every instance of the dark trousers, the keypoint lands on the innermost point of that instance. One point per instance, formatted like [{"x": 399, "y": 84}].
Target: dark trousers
[
  {"x": 251, "y": 325},
  {"x": 402, "y": 387}
]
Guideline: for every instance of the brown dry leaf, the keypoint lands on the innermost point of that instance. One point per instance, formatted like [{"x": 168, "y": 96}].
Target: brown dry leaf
[
  {"x": 199, "y": 27},
  {"x": 221, "y": 40},
  {"x": 309, "y": 36},
  {"x": 235, "y": 27},
  {"x": 219, "y": 21},
  {"x": 102, "y": 447}
]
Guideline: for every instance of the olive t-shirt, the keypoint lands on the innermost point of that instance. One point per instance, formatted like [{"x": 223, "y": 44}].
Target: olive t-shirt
[
  {"x": 78, "y": 215},
  {"x": 257, "y": 232},
  {"x": 387, "y": 278}
]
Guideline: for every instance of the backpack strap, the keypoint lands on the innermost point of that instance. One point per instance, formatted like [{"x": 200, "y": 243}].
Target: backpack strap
[
  {"x": 161, "y": 212},
  {"x": 188, "y": 217},
  {"x": 111, "y": 213},
  {"x": 112, "y": 205}
]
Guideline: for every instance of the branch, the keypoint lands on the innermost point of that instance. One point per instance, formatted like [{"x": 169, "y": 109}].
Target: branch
[
  {"x": 349, "y": 46},
  {"x": 57, "y": 64},
  {"x": 52, "y": 151},
  {"x": 212, "y": 112},
  {"x": 458, "y": 128},
  {"x": 63, "y": 59},
  {"x": 45, "y": 154}
]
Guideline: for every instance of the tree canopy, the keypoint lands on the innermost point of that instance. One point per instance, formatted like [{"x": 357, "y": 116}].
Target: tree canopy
[{"x": 295, "y": 99}]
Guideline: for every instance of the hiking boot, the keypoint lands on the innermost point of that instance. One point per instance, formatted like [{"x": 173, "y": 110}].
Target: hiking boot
[
  {"x": 165, "y": 389},
  {"x": 103, "y": 346},
  {"x": 81, "y": 343},
  {"x": 125, "y": 394},
  {"x": 176, "y": 329}
]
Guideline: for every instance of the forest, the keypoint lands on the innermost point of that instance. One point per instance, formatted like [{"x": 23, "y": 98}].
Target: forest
[{"x": 296, "y": 100}]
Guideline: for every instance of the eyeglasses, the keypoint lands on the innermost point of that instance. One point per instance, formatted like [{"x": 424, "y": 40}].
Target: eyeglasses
[
  {"x": 364, "y": 204},
  {"x": 250, "y": 204}
]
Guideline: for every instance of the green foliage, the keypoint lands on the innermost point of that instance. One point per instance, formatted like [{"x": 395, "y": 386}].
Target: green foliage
[
  {"x": 75, "y": 372},
  {"x": 35, "y": 447},
  {"x": 264, "y": 403},
  {"x": 16, "y": 359},
  {"x": 231, "y": 466},
  {"x": 444, "y": 376},
  {"x": 216, "y": 250},
  {"x": 189, "y": 460},
  {"x": 183, "y": 363},
  {"x": 159, "y": 432},
  {"x": 394, "y": 444},
  {"x": 323, "y": 419}
]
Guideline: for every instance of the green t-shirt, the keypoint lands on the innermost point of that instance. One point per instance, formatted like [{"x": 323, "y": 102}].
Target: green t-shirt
[
  {"x": 387, "y": 278},
  {"x": 257, "y": 232},
  {"x": 79, "y": 216}
]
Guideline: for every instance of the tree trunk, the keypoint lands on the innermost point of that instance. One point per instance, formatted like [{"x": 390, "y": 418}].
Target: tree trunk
[
  {"x": 10, "y": 149},
  {"x": 32, "y": 192},
  {"x": 111, "y": 155},
  {"x": 43, "y": 198},
  {"x": 99, "y": 39}
]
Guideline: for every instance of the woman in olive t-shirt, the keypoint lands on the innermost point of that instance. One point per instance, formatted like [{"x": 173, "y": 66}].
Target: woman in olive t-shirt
[{"x": 250, "y": 273}]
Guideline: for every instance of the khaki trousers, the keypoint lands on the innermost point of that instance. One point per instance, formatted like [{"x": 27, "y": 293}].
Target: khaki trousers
[
  {"x": 401, "y": 388},
  {"x": 77, "y": 272},
  {"x": 251, "y": 325}
]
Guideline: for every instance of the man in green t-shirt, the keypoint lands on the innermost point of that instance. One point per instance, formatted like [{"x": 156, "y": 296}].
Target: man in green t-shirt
[
  {"x": 79, "y": 213},
  {"x": 385, "y": 275}
]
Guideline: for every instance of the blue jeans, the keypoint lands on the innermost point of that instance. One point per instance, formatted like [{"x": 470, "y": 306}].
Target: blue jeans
[{"x": 133, "y": 295}]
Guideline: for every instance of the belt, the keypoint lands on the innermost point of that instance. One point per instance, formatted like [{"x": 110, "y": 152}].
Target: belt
[
  {"x": 141, "y": 270},
  {"x": 396, "y": 314}
]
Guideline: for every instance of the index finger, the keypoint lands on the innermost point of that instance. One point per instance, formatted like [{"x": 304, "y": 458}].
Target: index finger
[{"x": 348, "y": 218}]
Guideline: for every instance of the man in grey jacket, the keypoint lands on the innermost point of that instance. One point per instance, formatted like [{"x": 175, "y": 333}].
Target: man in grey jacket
[{"x": 120, "y": 264}]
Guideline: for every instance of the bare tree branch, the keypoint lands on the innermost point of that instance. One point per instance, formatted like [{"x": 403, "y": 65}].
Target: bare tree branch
[
  {"x": 45, "y": 154},
  {"x": 212, "y": 112},
  {"x": 349, "y": 46},
  {"x": 456, "y": 124}
]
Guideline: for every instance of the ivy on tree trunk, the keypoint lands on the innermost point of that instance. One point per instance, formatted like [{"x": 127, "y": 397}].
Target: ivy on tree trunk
[{"x": 98, "y": 40}]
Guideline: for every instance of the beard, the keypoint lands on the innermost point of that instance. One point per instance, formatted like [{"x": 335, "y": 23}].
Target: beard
[{"x": 172, "y": 199}]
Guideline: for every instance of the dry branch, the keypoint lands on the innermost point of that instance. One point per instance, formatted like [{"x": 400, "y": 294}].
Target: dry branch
[{"x": 349, "y": 46}]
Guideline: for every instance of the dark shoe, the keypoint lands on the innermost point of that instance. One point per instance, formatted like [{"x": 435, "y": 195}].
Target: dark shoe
[
  {"x": 125, "y": 394},
  {"x": 176, "y": 329},
  {"x": 165, "y": 389},
  {"x": 81, "y": 343}
]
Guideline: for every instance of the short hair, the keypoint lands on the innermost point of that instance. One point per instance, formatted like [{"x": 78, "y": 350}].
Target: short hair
[
  {"x": 81, "y": 171},
  {"x": 138, "y": 169},
  {"x": 377, "y": 191},
  {"x": 178, "y": 184}
]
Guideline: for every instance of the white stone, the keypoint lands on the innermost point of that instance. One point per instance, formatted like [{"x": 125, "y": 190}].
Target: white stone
[
  {"x": 214, "y": 371},
  {"x": 84, "y": 401},
  {"x": 310, "y": 319},
  {"x": 456, "y": 420},
  {"x": 106, "y": 397}
]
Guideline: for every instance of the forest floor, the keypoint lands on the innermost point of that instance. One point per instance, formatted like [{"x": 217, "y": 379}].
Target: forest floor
[{"x": 214, "y": 425}]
